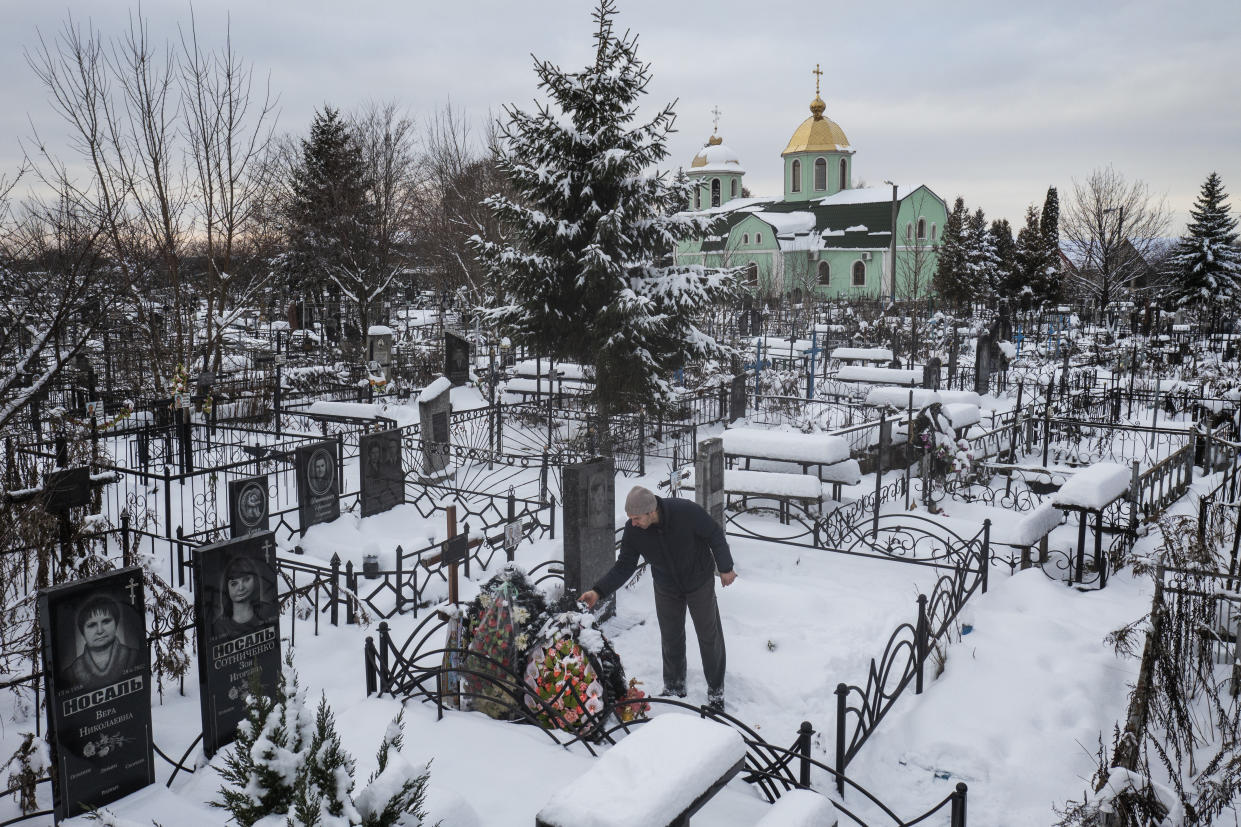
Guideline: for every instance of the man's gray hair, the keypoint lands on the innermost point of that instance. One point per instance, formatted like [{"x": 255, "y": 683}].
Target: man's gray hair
[{"x": 640, "y": 501}]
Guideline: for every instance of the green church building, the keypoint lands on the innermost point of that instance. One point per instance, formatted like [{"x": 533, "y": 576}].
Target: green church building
[{"x": 824, "y": 238}]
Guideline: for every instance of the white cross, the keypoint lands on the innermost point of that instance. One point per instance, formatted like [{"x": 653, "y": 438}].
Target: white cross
[{"x": 131, "y": 586}]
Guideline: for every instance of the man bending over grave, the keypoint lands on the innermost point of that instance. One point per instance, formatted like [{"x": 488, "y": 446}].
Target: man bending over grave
[
  {"x": 104, "y": 659},
  {"x": 684, "y": 548}
]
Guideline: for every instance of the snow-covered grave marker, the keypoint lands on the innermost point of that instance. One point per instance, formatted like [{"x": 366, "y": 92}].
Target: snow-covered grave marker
[
  {"x": 435, "y": 409},
  {"x": 1090, "y": 491},
  {"x": 660, "y": 774}
]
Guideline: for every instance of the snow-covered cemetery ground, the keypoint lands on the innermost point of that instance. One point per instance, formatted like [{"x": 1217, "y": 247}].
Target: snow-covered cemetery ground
[{"x": 314, "y": 477}]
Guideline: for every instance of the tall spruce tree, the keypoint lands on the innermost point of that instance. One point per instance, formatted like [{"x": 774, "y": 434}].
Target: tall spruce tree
[
  {"x": 1007, "y": 272},
  {"x": 1051, "y": 279},
  {"x": 330, "y": 214},
  {"x": 950, "y": 273},
  {"x": 1206, "y": 263},
  {"x": 980, "y": 261},
  {"x": 585, "y": 270}
]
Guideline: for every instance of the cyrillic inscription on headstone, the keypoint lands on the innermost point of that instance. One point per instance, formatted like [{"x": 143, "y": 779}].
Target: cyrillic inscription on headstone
[{"x": 318, "y": 490}]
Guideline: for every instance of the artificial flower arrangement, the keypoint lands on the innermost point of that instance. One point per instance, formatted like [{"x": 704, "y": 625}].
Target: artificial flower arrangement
[{"x": 499, "y": 624}]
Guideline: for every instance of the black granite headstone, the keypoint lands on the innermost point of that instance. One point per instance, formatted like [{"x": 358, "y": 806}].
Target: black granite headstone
[
  {"x": 238, "y": 621},
  {"x": 709, "y": 478},
  {"x": 737, "y": 398},
  {"x": 982, "y": 365},
  {"x": 930, "y": 373},
  {"x": 456, "y": 358},
  {"x": 382, "y": 475},
  {"x": 248, "y": 509},
  {"x": 318, "y": 491},
  {"x": 97, "y": 671},
  {"x": 589, "y": 525}
]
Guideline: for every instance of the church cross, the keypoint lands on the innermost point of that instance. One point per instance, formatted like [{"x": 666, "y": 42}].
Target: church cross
[
  {"x": 716, "y": 112},
  {"x": 131, "y": 586},
  {"x": 817, "y": 74}
]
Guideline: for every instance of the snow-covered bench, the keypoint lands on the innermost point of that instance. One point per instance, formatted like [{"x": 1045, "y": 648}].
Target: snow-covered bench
[
  {"x": 800, "y": 808},
  {"x": 772, "y": 485},
  {"x": 660, "y": 774},
  {"x": 822, "y": 450},
  {"x": 878, "y": 376},
  {"x": 865, "y": 355}
]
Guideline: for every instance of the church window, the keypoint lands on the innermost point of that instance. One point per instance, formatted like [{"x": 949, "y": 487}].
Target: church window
[
  {"x": 909, "y": 231},
  {"x": 820, "y": 174},
  {"x": 844, "y": 175},
  {"x": 825, "y": 273},
  {"x": 933, "y": 232},
  {"x": 796, "y": 174},
  {"x": 733, "y": 189},
  {"x": 751, "y": 275},
  {"x": 758, "y": 238},
  {"x": 745, "y": 238},
  {"x": 698, "y": 198},
  {"x": 715, "y": 192},
  {"x": 859, "y": 274},
  {"x": 921, "y": 229}
]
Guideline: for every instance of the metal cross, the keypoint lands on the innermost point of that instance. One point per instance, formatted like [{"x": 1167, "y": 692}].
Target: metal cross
[
  {"x": 130, "y": 587},
  {"x": 716, "y": 112},
  {"x": 817, "y": 74}
]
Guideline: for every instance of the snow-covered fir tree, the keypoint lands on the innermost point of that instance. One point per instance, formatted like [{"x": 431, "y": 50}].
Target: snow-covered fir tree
[
  {"x": 980, "y": 259},
  {"x": 1206, "y": 264},
  {"x": 1051, "y": 279},
  {"x": 1007, "y": 273},
  {"x": 950, "y": 273},
  {"x": 585, "y": 270},
  {"x": 1031, "y": 258}
]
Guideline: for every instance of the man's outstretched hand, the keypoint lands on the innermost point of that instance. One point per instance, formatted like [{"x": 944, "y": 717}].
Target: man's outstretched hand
[
  {"x": 590, "y": 598},
  {"x": 727, "y": 577}
]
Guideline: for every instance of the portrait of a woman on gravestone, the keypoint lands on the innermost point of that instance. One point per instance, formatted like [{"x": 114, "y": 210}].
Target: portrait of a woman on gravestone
[
  {"x": 242, "y": 606},
  {"x": 321, "y": 472},
  {"x": 104, "y": 657}
]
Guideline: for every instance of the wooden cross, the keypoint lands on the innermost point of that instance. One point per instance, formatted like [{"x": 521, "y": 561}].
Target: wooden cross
[
  {"x": 817, "y": 74},
  {"x": 130, "y": 587},
  {"x": 716, "y": 112}
]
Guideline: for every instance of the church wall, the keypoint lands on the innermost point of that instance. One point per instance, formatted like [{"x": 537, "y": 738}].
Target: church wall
[
  {"x": 808, "y": 192},
  {"x": 703, "y": 188}
]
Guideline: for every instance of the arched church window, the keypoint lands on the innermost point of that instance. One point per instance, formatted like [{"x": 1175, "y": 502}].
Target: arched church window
[
  {"x": 698, "y": 198},
  {"x": 859, "y": 274},
  {"x": 825, "y": 273},
  {"x": 715, "y": 192},
  {"x": 934, "y": 230},
  {"x": 758, "y": 238},
  {"x": 909, "y": 231},
  {"x": 795, "y": 171},
  {"x": 733, "y": 189},
  {"x": 820, "y": 174},
  {"x": 844, "y": 175},
  {"x": 751, "y": 275},
  {"x": 745, "y": 238},
  {"x": 921, "y": 229}
]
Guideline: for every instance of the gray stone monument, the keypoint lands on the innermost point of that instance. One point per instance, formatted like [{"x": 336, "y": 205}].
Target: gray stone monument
[
  {"x": 589, "y": 526},
  {"x": 982, "y": 364},
  {"x": 434, "y": 409},
  {"x": 379, "y": 349},
  {"x": 930, "y": 374},
  {"x": 709, "y": 478}
]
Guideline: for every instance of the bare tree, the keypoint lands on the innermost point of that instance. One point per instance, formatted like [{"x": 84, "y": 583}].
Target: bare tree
[
  {"x": 1112, "y": 229},
  {"x": 228, "y": 125}
]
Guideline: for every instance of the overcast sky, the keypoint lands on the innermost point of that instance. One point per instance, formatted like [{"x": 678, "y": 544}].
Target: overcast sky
[{"x": 992, "y": 101}]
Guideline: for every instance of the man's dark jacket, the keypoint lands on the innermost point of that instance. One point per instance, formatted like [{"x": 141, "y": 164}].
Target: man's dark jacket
[{"x": 678, "y": 549}]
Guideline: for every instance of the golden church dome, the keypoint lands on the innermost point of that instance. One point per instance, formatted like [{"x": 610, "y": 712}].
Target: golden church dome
[{"x": 817, "y": 133}]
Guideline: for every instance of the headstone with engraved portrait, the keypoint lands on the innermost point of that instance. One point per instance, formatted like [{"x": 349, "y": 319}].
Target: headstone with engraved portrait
[
  {"x": 237, "y": 617},
  {"x": 589, "y": 525},
  {"x": 248, "y": 508},
  {"x": 456, "y": 358},
  {"x": 97, "y": 671},
  {"x": 318, "y": 488},
  {"x": 382, "y": 473}
]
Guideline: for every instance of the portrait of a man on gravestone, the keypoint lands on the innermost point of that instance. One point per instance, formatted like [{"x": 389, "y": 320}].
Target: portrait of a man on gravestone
[
  {"x": 321, "y": 474},
  {"x": 105, "y": 654}
]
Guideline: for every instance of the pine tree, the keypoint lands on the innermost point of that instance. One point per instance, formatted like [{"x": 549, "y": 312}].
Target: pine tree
[
  {"x": 1051, "y": 280},
  {"x": 1030, "y": 254},
  {"x": 1206, "y": 263},
  {"x": 329, "y": 220},
  {"x": 980, "y": 260},
  {"x": 950, "y": 273},
  {"x": 585, "y": 272},
  {"x": 322, "y": 793},
  {"x": 1007, "y": 272},
  {"x": 260, "y": 774},
  {"x": 404, "y": 805}
]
